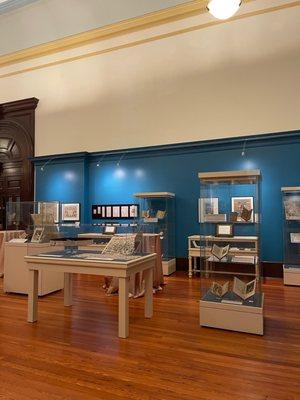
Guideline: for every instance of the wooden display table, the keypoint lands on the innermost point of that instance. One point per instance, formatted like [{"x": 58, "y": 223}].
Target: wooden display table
[{"x": 120, "y": 269}]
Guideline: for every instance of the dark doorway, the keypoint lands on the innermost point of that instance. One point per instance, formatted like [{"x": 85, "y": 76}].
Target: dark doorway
[{"x": 17, "y": 122}]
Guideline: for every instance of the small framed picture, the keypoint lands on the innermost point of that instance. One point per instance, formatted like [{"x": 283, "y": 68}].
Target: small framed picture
[
  {"x": 108, "y": 212},
  {"x": 224, "y": 230},
  {"x": 207, "y": 206},
  {"x": 70, "y": 212},
  {"x": 37, "y": 235},
  {"x": 133, "y": 211},
  {"x": 243, "y": 206},
  {"x": 116, "y": 211},
  {"x": 124, "y": 211}
]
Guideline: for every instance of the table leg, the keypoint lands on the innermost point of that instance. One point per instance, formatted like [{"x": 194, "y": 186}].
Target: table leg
[
  {"x": 190, "y": 267},
  {"x": 68, "y": 289},
  {"x": 148, "y": 274},
  {"x": 33, "y": 284},
  {"x": 123, "y": 307}
]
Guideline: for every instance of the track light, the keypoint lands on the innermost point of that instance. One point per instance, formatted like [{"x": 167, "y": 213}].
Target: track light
[
  {"x": 100, "y": 161},
  {"x": 121, "y": 158},
  {"x": 243, "y": 153},
  {"x": 46, "y": 163},
  {"x": 223, "y": 9}
]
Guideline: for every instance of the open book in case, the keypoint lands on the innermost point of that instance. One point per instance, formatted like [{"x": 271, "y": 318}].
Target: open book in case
[{"x": 229, "y": 248}]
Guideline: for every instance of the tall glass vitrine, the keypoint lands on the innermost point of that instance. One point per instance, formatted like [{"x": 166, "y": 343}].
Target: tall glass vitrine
[
  {"x": 231, "y": 296},
  {"x": 157, "y": 216},
  {"x": 291, "y": 235}
]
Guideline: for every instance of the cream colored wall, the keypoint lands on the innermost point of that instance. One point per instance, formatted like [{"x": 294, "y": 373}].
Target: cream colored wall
[{"x": 233, "y": 79}]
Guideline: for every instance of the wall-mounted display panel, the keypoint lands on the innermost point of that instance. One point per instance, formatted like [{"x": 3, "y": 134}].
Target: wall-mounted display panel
[{"x": 115, "y": 211}]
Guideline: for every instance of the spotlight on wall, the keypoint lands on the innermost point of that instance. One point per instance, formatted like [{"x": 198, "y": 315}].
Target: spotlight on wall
[
  {"x": 120, "y": 159},
  {"x": 243, "y": 153},
  {"x": 100, "y": 161},
  {"x": 43, "y": 167},
  {"x": 223, "y": 9}
]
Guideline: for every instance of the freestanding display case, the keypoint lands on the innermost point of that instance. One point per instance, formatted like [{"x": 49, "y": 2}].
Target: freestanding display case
[
  {"x": 229, "y": 246},
  {"x": 157, "y": 215},
  {"x": 291, "y": 235}
]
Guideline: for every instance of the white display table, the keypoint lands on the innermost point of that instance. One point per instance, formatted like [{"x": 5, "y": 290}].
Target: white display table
[
  {"x": 117, "y": 268},
  {"x": 16, "y": 274}
]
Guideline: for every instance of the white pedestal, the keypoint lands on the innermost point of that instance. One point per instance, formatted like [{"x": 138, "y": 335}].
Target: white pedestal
[
  {"x": 169, "y": 266},
  {"x": 16, "y": 273},
  {"x": 232, "y": 317},
  {"x": 291, "y": 275}
]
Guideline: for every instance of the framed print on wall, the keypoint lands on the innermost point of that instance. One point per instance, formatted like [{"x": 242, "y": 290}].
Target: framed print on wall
[
  {"x": 70, "y": 212},
  {"x": 207, "y": 206},
  {"x": 240, "y": 205},
  {"x": 47, "y": 208}
]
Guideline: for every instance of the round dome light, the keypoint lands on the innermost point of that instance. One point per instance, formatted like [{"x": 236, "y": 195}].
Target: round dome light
[{"x": 223, "y": 9}]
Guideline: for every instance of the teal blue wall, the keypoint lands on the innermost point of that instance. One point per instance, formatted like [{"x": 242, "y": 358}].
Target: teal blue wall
[{"x": 77, "y": 178}]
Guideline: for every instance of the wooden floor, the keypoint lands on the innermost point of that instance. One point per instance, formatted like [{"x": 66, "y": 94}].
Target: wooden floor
[{"x": 74, "y": 353}]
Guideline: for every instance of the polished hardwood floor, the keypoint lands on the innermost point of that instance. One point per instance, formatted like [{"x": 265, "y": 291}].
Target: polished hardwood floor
[{"x": 74, "y": 353}]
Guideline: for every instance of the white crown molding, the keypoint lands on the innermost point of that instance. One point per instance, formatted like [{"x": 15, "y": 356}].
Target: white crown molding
[{"x": 10, "y": 5}]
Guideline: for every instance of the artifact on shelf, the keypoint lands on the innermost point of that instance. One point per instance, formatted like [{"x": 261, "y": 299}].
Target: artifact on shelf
[
  {"x": 220, "y": 252},
  {"x": 160, "y": 214},
  {"x": 218, "y": 289},
  {"x": 215, "y": 218},
  {"x": 292, "y": 209},
  {"x": 244, "y": 290},
  {"x": 37, "y": 235},
  {"x": 224, "y": 230},
  {"x": 233, "y": 216},
  {"x": 295, "y": 237},
  {"x": 146, "y": 214},
  {"x": 246, "y": 214}
]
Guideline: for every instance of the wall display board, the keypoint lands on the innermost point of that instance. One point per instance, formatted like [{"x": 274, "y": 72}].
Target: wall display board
[
  {"x": 157, "y": 215},
  {"x": 231, "y": 296},
  {"x": 115, "y": 211},
  {"x": 291, "y": 235}
]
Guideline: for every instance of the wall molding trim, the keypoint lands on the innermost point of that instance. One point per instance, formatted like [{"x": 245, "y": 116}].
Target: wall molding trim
[
  {"x": 267, "y": 139},
  {"x": 192, "y": 8},
  {"x": 10, "y": 5}
]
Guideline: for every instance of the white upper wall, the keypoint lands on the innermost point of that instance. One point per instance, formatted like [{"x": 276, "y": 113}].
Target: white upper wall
[
  {"x": 227, "y": 80},
  {"x": 45, "y": 20}
]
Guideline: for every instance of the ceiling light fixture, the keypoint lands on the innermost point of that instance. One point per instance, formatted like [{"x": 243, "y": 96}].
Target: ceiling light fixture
[{"x": 223, "y": 9}]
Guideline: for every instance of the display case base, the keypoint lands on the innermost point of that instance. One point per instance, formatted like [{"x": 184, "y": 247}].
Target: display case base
[
  {"x": 232, "y": 317},
  {"x": 169, "y": 266},
  {"x": 291, "y": 275}
]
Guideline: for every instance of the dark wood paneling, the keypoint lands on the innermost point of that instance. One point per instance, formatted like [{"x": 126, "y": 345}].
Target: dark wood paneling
[{"x": 17, "y": 124}]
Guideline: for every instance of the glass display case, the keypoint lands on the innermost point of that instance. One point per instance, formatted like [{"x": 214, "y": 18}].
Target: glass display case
[
  {"x": 33, "y": 216},
  {"x": 157, "y": 215},
  {"x": 291, "y": 235},
  {"x": 87, "y": 242},
  {"x": 229, "y": 247}
]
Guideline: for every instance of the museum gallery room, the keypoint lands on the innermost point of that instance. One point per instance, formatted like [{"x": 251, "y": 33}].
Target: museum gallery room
[{"x": 149, "y": 200}]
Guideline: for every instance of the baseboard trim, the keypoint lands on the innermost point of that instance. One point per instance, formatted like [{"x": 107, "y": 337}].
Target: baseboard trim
[{"x": 269, "y": 269}]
